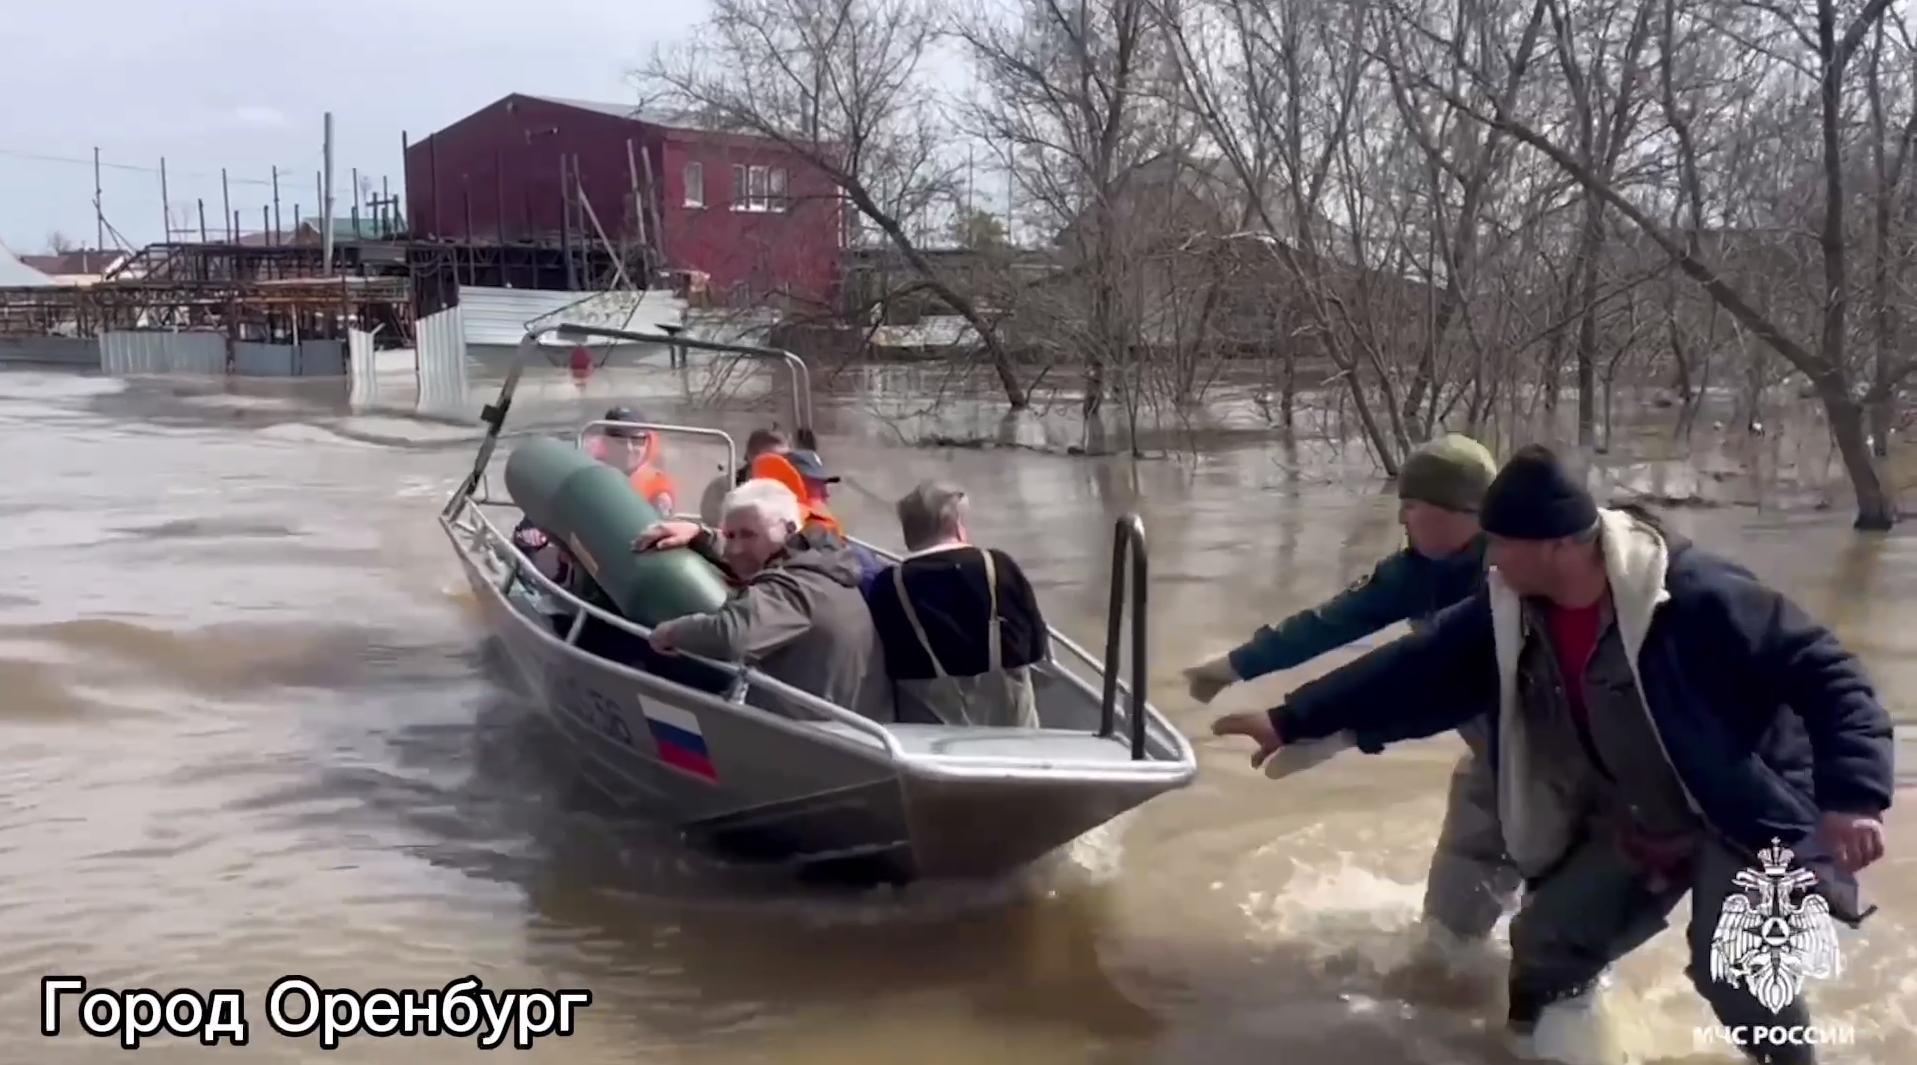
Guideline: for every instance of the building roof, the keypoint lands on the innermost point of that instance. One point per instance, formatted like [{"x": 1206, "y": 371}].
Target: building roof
[
  {"x": 635, "y": 113},
  {"x": 81, "y": 261},
  {"x": 370, "y": 228},
  {"x": 14, "y": 273},
  {"x": 615, "y": 110}
]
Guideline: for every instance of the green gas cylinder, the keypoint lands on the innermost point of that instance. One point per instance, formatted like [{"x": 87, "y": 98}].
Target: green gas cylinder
[{"x": 590, "y": 508}]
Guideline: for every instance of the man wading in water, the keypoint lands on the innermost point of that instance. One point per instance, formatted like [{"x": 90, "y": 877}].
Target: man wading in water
[
  {"x": 1440, "y": 488},
  {"x": 1661, "y": 718}
]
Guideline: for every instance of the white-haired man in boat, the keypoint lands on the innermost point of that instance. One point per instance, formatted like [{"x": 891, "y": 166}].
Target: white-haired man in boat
[{"x": 796, "y": 611}]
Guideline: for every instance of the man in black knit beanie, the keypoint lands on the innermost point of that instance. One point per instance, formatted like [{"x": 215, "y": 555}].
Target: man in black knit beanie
[{"x": 1664, "y": 725}]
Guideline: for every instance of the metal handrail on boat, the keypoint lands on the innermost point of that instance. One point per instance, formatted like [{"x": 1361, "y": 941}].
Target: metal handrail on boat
[
  {"x": 1128, "y": 537},
  {"x": 732, "y": 449},
  {"x": 744, "y": 677},
  {"x": 801, "y": 374},
  {"x": 494, "y": 414}
]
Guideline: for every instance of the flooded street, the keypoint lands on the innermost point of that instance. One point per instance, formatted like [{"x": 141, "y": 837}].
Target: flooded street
[{"x": 252, "y": 728}]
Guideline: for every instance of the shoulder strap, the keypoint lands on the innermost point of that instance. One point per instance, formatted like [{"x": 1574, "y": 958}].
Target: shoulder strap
[
  {"x": 912, "y": 615},
  {"x": 997, "y": 656}
]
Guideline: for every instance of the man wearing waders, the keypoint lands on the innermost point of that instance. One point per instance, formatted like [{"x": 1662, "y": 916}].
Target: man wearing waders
[
  {"x": 1664, "y": 725},
  {"x": 960, "y": 624},
  {"x": 1440, "y": 488}
]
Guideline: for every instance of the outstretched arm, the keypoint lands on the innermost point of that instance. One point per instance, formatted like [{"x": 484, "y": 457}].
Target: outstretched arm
[
  {"x": 1432, "y": 680},
  {"x": 1423, "y": 684},
  {"x": 1385, "y": 596}
]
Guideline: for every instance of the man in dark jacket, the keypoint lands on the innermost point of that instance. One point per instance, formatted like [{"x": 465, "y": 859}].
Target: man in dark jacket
[
  {"x": 960, "y": 623},
  {"x": 1440, "y": 487},
  {"x": 1664, "y": 724}
]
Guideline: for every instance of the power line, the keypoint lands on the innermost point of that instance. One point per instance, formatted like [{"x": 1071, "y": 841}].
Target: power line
[{"x": 17, "y": 154}]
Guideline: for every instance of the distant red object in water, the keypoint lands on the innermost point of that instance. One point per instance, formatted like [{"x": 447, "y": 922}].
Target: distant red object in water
[{"x": 581, "y": 363}]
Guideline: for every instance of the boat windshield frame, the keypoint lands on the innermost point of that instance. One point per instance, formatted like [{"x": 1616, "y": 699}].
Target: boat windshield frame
[{"x": 494, "y": 414}]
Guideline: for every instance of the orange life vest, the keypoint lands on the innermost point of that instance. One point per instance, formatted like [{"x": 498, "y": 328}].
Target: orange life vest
[
  {"x": 775, "y": 467},
  {"x": 656, "y": 487}
]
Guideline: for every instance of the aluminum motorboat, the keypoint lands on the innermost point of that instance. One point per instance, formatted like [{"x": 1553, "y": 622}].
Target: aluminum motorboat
[{"x": 835, "y": 790}]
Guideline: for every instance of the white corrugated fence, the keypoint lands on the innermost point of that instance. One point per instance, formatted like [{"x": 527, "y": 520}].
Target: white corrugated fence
[
  {"x": 442, "y": 365},
  {"x": 142, "y": 351}
]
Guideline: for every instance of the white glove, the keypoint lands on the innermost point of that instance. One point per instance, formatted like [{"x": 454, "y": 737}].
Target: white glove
[
  {"x": 1300, "y": 756},
  {"x": 1208, "y": 678}
]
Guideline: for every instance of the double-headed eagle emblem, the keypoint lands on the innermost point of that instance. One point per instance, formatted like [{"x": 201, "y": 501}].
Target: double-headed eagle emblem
[{"x": 1768, "y": 938}]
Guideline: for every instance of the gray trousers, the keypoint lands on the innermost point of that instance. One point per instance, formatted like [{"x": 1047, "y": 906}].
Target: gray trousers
[
  {"x": 1594, "y": 908},
  {"x": 1472, "y": 882}
]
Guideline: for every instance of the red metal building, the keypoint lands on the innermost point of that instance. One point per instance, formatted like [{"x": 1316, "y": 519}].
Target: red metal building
[{"x": 754, "y": 218}]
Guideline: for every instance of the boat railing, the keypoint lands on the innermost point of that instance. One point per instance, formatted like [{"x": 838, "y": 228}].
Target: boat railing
[
  {"x": 488, "y": 538},
  {"x": 493, "y": 414},
  {"x": 801, "y": 375},
  {"x": 732, "y": 449},
  {"x": 1128, "y": 545}
]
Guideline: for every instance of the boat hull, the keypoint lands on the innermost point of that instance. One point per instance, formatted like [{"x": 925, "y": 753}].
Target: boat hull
[{"x": 759, "y": 786}]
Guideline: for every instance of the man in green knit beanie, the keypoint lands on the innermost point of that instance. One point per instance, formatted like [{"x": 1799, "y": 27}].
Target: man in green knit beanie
[{"x": 1440, "y": 487}]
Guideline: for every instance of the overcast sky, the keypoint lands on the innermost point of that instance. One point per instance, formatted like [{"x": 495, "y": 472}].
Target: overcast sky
[{"x": 243, "y": 85}]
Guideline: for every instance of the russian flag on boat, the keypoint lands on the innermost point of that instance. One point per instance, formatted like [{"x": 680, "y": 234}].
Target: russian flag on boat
[{"x": 681, "y": 744}]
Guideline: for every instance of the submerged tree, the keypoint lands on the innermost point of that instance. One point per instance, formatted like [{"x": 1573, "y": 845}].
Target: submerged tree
[
  {"x": 1793, "y": 86},
  {"x": 1063, "y": 95}
]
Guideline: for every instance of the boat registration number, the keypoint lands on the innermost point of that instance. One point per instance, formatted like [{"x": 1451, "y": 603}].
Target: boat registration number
[{"x": 598, "y": 711}]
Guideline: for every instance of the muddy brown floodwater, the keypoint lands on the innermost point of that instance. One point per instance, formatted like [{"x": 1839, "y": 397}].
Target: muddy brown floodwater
[{"x": 251, "y": 728}]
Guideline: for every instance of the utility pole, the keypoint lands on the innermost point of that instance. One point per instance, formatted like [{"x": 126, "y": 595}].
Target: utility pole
[
  {"x": 326, "y": 205},
  {"x": 166, "y": 207},
  {"x": 99, "y": 216},
  {"x": 226, "y": 207},
  {"x": 276, "y": 205},
  {"x": 202, "y": 206}
]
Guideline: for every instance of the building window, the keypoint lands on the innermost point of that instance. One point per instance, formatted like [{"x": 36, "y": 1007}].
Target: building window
[
  {"x": 695, "y": 185},
  {"x": 758, "y": 188}
]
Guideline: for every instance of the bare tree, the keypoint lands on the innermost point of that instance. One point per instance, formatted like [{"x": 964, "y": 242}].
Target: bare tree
[
  {"x": 59, "y": 243},
  {"x": 1278, "y": 89},
  {"x": 1062, "y": 96},
  {"x": 1890, "y": 150},
  {"x": 838, "y": 83},
  {"x": 1472, "y": 167},
  {"x": 1824, "y": 50}
]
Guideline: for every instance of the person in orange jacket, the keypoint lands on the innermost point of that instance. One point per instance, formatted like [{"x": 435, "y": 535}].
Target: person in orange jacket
[
  {"x": 638, "y": 453},
  {"x": 802, "y": 471}
]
